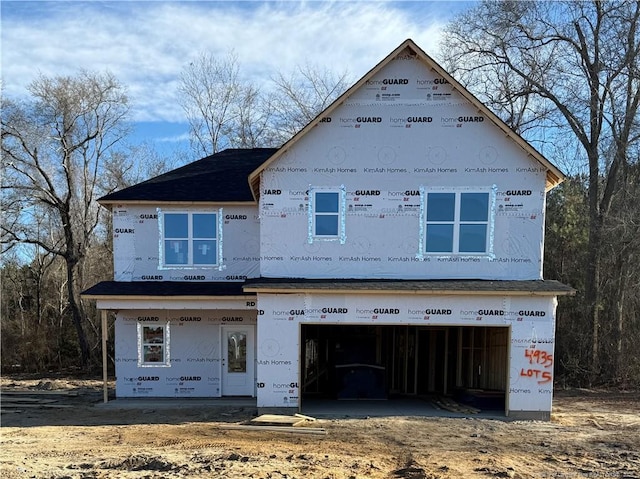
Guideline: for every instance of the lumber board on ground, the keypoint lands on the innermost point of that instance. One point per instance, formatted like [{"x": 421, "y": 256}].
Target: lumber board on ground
[
  {"x": 277, "y": 420},
  {"x": 6, "y": 404},
  {"x": 453, "y": 406},
  {"x": 28, "y": 400},
  {"x": 308, "y": 418},
  {"x": 38, "y": 392}
]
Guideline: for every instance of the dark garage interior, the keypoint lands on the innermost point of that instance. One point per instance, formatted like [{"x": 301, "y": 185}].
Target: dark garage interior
[{"x": 379, "y": 362}]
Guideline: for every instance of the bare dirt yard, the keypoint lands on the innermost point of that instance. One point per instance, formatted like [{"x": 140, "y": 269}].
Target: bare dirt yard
[{"x": 60, "y": 433}]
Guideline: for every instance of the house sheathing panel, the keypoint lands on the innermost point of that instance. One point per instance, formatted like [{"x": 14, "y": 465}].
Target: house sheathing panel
[
  {"x": 137, "y": 243},
  {"x": 352, "y": 197},
  {"x": 529, "y": 320},
  {"x": 194, "y": 345}
]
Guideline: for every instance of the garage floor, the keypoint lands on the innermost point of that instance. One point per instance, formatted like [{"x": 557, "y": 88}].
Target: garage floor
[
  {"x": 331, "y": 409},
  {"x": 318, "y": 408}
]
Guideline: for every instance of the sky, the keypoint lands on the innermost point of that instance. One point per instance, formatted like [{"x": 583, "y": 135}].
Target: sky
[{"x": 147, "y": 44}]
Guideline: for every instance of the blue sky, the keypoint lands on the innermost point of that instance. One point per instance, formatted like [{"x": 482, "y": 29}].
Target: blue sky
[{"x": 146, "y": 44}]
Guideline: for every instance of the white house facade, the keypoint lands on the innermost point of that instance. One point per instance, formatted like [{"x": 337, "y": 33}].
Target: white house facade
[{"x": 392, "y": 247}]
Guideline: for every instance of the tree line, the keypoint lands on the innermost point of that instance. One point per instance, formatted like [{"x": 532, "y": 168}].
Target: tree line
[
  {"x": 565, "y": 75},
  {"x": 65, "y": 146}
]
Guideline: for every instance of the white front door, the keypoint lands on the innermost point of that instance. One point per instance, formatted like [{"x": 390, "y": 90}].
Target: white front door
[{"x": 237, "y": 360}]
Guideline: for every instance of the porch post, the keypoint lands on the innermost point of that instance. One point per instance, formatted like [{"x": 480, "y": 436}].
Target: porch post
[{"x": 105, "y": 391}]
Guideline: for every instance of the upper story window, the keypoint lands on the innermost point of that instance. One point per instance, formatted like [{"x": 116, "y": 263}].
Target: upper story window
[
  {"x": 458, "y": 222},
  {"x": 189, "y": 239},
  {"x": 326, "y": 214}
]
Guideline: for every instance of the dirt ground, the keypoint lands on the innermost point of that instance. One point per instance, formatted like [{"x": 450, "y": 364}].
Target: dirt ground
[{"x": 592, "y": 434}]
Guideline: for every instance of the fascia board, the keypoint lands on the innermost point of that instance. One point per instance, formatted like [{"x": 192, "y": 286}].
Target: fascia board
[
  {"x": 102, "y": 297},
  {"x": 115, "y": 303},
  {"x": 415, "y": 292},
  {"x": 110, "y": 203}
]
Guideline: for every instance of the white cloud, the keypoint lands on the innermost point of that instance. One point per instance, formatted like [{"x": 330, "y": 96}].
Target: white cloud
[
  {"x": 173, "y": 139},
  {"x": 146, "y": 44}
]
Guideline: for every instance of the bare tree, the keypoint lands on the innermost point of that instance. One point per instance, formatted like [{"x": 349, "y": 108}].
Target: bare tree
[
  {"x": 303, "y": 95},
  {"x": 53, "y": 150},
  {"x": 578, "y": 63},
  {"x": 132, "y": 164},
  {"x": 222, "y": 110},
  {"x": 621, "y": 284},
  {"x": 225, "y": 111},
  {"x": 253, "y": 128}
]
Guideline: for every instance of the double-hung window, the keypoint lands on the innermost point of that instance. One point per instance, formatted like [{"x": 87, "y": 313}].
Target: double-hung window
[
  {"x": 326, "y": 214},
  {"x": 153, "y": 344},
  {"x": 458, "y": 222},
  {"x": 189, "y": 239}
]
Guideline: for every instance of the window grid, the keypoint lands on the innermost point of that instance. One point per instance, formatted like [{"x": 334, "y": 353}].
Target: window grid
[
  {"x": 153, "y": 345},
  {"x": 190, "y": 239},
  {"x": 326, "y": 214},
  {"x": 457, "y": 222}
]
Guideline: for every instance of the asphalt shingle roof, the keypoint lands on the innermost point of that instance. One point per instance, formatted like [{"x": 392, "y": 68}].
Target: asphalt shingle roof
[
  {"x": 165, "y": 288},
  {"x": 219, "y": 177},
  {"x": 435, "y": 286},
  {"x": 221, "y": 288}
]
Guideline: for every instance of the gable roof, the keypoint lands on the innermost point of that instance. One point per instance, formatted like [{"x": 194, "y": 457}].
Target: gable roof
[
  {"x": 221, "y": 177},
  {"x": 408, "y": 47}
]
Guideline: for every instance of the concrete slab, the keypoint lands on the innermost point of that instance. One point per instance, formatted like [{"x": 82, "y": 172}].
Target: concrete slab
[
  {"x": 331, "y": 409},
  {"x": 316, "y": 408},
  {"x": 177, "y": 403}
]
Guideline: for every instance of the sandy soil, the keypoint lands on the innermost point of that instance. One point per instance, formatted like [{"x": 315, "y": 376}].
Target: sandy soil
[{"x": 592, "y": 434}]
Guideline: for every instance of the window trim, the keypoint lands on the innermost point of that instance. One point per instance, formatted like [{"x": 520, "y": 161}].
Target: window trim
[
  {"x": 190, "y": 239},
  {"x": 457, "y": 222},
  {"x": 166, "y": 345},
  {"x": 342, "y": 199}
]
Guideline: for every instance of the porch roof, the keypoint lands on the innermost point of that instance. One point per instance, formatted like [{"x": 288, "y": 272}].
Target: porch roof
[
  {"x": 421, "y": 287},
  {"x": 164, "y": 289}
]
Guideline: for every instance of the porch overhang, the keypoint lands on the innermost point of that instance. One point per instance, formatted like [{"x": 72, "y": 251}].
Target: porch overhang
[
  {"x": 410, "y": 287},
  {"x": 169, "y": 295}
]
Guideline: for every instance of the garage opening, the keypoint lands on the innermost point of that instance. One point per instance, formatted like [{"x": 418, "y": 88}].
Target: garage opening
[{"x": 367, "y": 362}]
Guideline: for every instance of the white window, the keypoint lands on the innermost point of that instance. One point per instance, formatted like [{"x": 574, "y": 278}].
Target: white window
[
  {"x": 458, "y": 222},
  {"x": 326, "y": 214},
  {"x": 189, "y": 239},
  {"x": 153, "y": 345}
]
